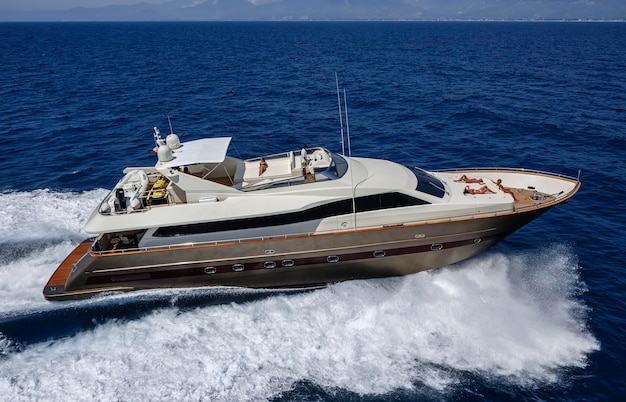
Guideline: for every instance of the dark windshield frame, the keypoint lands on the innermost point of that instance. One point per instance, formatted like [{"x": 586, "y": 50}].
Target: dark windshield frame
[
  {"x": 427, "y": 183},
  {"x": 337, "y": 168}
]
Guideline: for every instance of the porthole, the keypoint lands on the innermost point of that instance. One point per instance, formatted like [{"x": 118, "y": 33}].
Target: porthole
[
  {"x": 238, "y": 267},
  {"x": 269, "y": 251},
  {"x": 436, "y": 247},
  {"x": 287, "y": 263},
  {"x": 332, "y": 258},
  {"x": 477, "y": 240},
  {"x": 269, "y": 264},
  {"x": 379, "y": 254},
  {"x": 210, "y": 270}
]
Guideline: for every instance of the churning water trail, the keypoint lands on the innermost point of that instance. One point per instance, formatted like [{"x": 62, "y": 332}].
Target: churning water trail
[
  {"x": 37, "y": 230},
  {"x": 515, "y": 317}
]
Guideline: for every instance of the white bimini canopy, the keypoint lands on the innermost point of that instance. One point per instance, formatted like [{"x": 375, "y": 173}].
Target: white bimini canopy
[{"x": 208, "y": 150}]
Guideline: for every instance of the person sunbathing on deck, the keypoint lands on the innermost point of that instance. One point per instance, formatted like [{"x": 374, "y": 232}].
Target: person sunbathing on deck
[
  {"x": 262, "y": 166},
  {"x": 470, "y": 180},
  {"x": 482, "y": 190},
  {"x": 504, "y": 189}
]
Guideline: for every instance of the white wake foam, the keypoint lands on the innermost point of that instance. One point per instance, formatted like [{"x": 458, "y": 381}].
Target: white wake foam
[
  {"x": 37, "y": 230},
  {"x": 516, "y": 317},
  {"x": 512, "y": 317},
  {"x": 45, "y": 214}
]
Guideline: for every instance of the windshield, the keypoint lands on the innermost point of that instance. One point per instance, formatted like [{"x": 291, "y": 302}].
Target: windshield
[
  {"x": 427, "y": 183},
  {"x": 338, "y": 166}
]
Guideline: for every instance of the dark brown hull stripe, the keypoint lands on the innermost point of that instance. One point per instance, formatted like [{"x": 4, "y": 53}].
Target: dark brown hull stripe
[{"x": 283, "y": 263}]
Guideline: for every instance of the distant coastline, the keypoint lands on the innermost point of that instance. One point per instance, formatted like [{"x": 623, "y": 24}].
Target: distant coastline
[
  {"x": 325, "y": 10},
  {"x": 399, "y": 20}
]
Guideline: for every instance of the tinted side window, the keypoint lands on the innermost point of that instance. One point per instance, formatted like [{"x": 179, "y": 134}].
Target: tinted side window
[
  {"x": 342, "y": 207},
  {"x": 386, "y": 201},
  {"x": 324, "y": 211}
]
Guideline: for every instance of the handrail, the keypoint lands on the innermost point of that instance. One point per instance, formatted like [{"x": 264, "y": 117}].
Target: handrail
[
  {"x": 509, "y": 169},
  {"x": 269, "y": 157}
]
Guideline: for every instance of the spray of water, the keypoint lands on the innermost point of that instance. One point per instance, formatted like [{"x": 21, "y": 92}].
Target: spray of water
[{"x": 516, "y": 317}]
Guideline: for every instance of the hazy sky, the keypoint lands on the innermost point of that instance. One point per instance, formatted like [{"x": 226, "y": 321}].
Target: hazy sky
[
  {"x": 34, "y": 5},
  {"x": 566, "y": 9}
]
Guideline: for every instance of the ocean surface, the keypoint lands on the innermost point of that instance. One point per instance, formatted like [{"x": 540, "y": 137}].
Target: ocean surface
[{"x": 540, "y": 316}]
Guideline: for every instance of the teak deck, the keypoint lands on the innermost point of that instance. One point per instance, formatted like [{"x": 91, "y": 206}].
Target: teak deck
[
  {"x": 523, "y": 198},
  {"x": 63, "y": 271}
]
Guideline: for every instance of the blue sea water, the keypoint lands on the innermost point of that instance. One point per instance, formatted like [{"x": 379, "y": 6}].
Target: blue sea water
[{"x": 540, "y": 316}]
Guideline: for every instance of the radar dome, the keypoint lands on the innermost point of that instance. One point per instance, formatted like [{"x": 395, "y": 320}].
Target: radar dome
[
  {"x": 164, "y": 153},
  {"x": 172, "y": 141}
]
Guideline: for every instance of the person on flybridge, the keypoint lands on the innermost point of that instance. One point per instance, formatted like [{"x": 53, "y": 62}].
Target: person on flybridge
[{"x": 304, "y": 158}]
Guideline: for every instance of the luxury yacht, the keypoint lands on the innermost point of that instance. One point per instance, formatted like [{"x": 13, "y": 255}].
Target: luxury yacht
[{"x": 201, "y": 218}]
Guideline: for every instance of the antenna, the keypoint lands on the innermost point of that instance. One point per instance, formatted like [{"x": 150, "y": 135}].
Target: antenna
[
  {"x": 170, "y": 123},
  {"x": 345, "y": 100},
  {"x": 340, "y": 114}
]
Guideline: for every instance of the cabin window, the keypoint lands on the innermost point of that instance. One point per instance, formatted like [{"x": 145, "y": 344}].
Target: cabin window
[
  {"x": 386, "y": 201},
  {"x": 323, "y": 211},
  {"x": 337, "y": 208}
]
